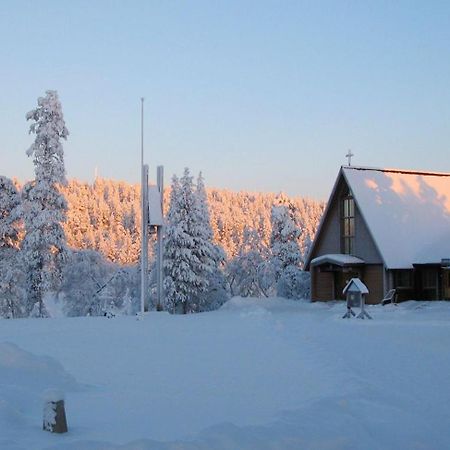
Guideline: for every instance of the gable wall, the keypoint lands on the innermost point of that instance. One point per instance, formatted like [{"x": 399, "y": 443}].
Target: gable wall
[
  {"x": 329, "y": 240},
  {"x": 364, "y": 245}
]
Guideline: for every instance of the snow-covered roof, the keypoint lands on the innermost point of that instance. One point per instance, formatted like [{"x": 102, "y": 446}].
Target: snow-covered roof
[
  {"x": 338, "y": 259},
  {"x": 355, "y": 284},
  {"x": 407, "y": 213}
]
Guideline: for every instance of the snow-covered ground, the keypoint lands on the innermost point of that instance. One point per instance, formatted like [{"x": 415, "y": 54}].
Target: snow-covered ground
[{"x": 270, "y": 374}]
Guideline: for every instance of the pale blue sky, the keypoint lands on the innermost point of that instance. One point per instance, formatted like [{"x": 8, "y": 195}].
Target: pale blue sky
[{"x": 259, "y": 95}]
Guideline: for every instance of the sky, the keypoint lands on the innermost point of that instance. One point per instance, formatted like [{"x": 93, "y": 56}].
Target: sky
[{"x": 258, "y": 95}]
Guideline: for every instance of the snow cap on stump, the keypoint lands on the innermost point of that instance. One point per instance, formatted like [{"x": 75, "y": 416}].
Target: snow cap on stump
[{"x": 54, "y": 419}]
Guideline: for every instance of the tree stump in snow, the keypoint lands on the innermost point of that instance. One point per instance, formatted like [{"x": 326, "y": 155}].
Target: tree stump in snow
[{"x": 54, "y": 412}]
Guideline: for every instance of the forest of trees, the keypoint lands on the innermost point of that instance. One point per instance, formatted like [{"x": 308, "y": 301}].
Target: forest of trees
[
  {"x": 103, "y": 225},
  {"x": 105, "y": 216},
  {"x": 79, "y": 244}
]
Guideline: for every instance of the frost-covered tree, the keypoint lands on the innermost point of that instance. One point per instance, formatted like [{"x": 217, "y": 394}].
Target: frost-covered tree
[
  {"x": 105, "y": 216},
  {"x": 210, "y": 254},
  {"x": 44, "y": 207},
  {"x": 250, "y": 273},
  {"x": 182, "y": 282},
  {"x": 12, "y": 292},
  {"x": 93, "y": 286},
  {"x": 84, "y": 278},
  {"x": 188, "y": 259},
  {"x": 285, "y": 249},
  {"x": 12, "y": 296},
  {"x": 9, "y": 214}
]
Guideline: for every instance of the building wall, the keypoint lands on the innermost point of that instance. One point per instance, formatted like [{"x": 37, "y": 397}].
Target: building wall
[
  {"x": 373, "y": 279},
  {"x": 322, "y": 285},
  {"x": 329, "y": 240}
]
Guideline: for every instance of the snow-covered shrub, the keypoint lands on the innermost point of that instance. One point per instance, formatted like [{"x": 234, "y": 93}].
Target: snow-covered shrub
[
  {"x": 93, "y": 286},
  {"x": 249, "y": 272},
  {"x": 12, "y": 291},
  {"x": 84, "y": 278},
  {"x": 294, "y": 283},
  {"x": 120, "y": 295}
]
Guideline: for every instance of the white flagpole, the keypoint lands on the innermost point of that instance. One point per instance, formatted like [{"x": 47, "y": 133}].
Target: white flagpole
[{"x": 144, "y": 267}]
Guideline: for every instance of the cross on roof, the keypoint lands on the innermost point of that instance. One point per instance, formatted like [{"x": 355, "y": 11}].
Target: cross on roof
[{"x": 349, "y": 156}]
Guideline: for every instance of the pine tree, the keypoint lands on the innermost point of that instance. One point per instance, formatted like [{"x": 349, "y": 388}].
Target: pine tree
[
  {"x": 183, "y": 269},
  {"x": 285, "y": 249},
  {"x": 211, "y": 255},
  {"x": 44, "y": 207},
  {"x": 11, "y": 276}
]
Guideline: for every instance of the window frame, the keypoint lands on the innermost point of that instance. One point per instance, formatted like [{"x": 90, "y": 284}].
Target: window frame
[{"x": 347, "y": 216}]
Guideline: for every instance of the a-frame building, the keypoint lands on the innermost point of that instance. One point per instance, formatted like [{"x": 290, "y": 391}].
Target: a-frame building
[{"x": 388, "y": 227}]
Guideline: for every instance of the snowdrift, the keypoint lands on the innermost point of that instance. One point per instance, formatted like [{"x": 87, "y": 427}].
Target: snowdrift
[{"x": 257, "y": 374}]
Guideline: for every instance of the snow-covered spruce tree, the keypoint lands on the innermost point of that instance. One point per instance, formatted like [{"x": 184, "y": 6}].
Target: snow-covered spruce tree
[
  {"x": 285, "y": 249},
  {"x": 44, "y": 207},
  {"x": 11, "y": 276},
  {"x": 184, "y": 271},
  {"x": 211, "y": 255}
]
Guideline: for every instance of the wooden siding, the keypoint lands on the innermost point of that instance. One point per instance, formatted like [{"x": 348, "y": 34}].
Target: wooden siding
[
  {"x": 322, "y": 284},
  {"x": 373, "y": 279}
]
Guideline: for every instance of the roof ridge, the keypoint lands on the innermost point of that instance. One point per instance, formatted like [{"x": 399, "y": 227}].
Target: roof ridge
[{"x": 404, "y": 171}]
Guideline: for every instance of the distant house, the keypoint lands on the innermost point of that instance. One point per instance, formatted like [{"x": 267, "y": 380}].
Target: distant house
[{"x": 388, "y": 227}]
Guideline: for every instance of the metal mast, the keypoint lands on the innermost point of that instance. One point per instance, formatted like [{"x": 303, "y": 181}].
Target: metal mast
[
  {"x": 159, "y": 235},
  {"x": 144, "y": 217}
]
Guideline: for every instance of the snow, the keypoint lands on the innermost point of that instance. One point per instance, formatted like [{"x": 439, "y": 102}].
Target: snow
[
  {"x": 339, "y": 259},
  {"x": 408, "y": 213},
  {"x": 257, "y": 374},
  {"x": 356, "y": 285}
]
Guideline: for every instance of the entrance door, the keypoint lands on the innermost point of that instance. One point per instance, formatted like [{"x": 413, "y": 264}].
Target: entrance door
[{"x": 341, "y": 280}]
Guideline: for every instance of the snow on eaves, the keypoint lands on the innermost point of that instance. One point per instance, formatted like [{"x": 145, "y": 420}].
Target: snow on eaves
[{"x": 338, "y": 259}]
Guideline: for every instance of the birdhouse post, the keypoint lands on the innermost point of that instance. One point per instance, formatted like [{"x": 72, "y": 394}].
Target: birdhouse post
[{"x": 355, "y": 292}]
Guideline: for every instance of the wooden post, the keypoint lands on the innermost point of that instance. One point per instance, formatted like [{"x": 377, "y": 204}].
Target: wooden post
[{"x": 54, "y": 419}]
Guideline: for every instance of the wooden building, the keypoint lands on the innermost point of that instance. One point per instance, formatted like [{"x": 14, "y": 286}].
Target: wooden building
[{"x": 388, "y": 227}]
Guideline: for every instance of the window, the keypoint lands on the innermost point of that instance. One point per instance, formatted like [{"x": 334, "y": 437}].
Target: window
[
  {"x": 348, "y": 224},
  {"x": 403, "y": 278},
  {"x": 429, "y": 279}
]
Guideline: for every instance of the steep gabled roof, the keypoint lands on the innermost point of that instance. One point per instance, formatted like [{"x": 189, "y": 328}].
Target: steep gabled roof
[{"x": 406, "y": 212}]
